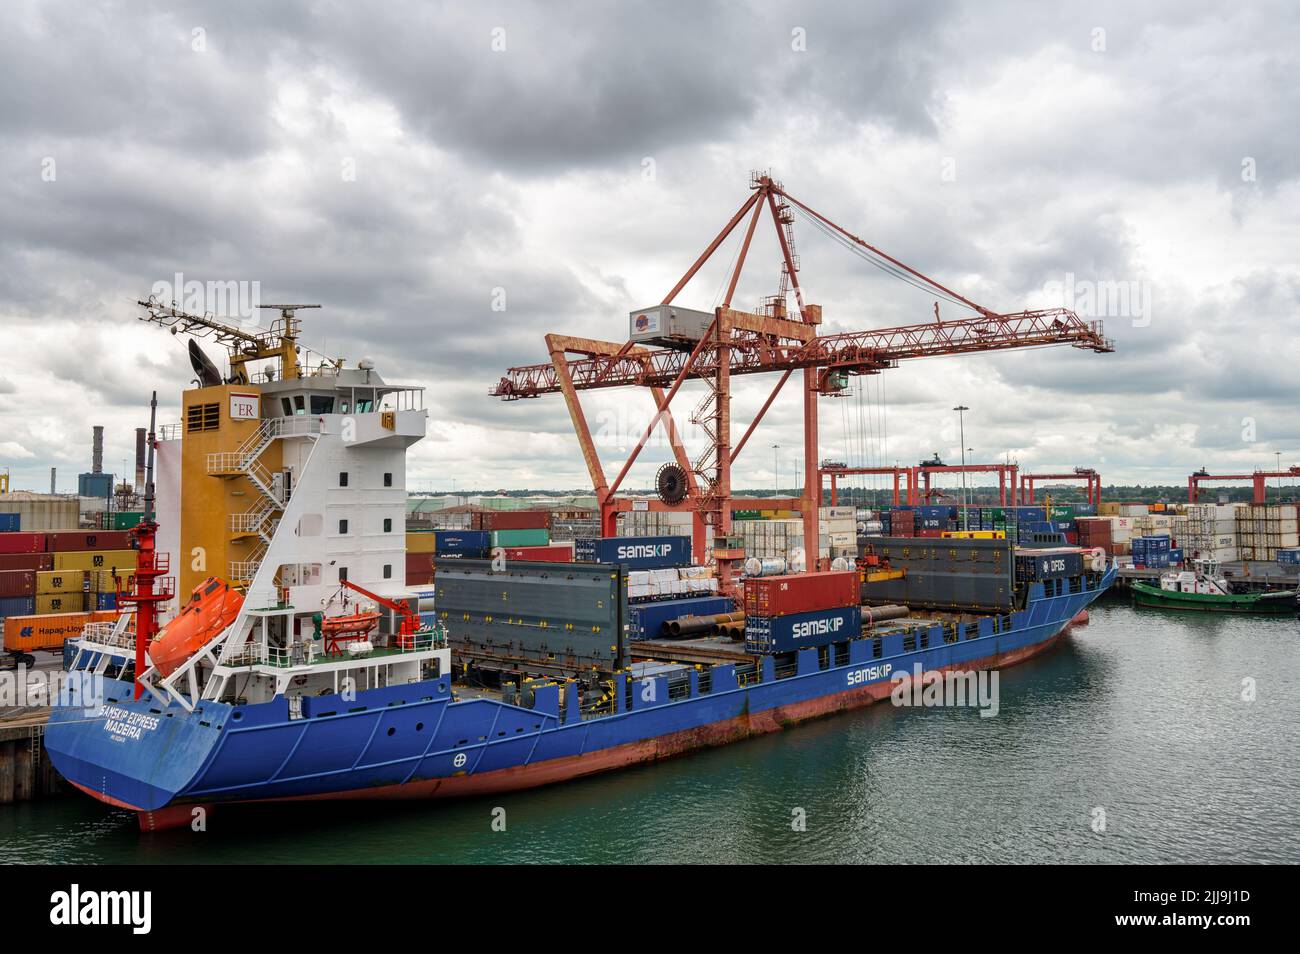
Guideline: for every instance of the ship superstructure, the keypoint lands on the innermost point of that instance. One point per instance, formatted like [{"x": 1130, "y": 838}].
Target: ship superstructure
[{"x": 287, "y": 483}]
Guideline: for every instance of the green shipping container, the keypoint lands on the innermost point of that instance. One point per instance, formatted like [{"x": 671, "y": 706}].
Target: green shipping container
[
  {"x": 521, "y": 538},
  {"x": 126, "y": 519}
]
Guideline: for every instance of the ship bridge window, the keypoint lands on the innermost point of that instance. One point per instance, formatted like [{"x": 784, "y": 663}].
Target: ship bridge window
[
  {"x": 365, "y": 405},
  {"x": 321, "y": 405},
  {"x": 287, "y": 406},
  {"x": 299, "y": 404}
]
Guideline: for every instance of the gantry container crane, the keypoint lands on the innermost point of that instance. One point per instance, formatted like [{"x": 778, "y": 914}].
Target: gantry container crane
[
  {"x": 1256, "y": 478},
  {"x": 1092, "y": 490},
  {"x": 741, "y": 343}
]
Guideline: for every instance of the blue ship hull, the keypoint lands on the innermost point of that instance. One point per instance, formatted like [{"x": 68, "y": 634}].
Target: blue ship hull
[{"x": 416, "y": 741}]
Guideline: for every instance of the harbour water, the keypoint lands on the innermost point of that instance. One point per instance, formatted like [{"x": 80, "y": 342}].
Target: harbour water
[{"x": 1131, "y": 742}]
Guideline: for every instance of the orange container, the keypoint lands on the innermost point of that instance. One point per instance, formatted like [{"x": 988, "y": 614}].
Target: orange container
[{"x": 25, "y": 633}]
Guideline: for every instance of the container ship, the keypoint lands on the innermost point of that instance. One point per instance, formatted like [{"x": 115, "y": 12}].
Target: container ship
[{"x": 301, "y": 649}]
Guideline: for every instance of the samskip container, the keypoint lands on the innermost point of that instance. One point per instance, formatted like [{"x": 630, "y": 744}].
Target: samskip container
[
  {"x": 800, "y": 592},
  {"x": 637, "y": 553},
  {"x": 784, "y": 634}
]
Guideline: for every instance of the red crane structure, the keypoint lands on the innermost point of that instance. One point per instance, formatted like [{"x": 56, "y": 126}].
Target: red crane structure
[
  {"x": 1257, "y": 479},
  {"x": 771, "y": 341},
  {"x": 1006, "y": 478},
  {"x": 835, "y": 471},
  {"x": 1092, "y": 490}
]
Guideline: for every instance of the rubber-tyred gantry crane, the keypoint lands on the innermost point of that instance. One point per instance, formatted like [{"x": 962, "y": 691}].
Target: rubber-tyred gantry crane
[
  {"x": 1092, "y": 490},
  {"x": 773, "y": 341},
  {"x": 1257, "y": 480}
]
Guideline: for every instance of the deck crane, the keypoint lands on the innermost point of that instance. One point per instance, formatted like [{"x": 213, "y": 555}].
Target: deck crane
[
  {"x": 773, "y": 340},
  {"x": 244, "y": 345}
]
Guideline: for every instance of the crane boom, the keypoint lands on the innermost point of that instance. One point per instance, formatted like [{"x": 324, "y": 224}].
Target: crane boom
[{"x": 753, "y": 352}]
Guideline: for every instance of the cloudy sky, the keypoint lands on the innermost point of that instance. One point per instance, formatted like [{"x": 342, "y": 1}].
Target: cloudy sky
[{"x": 414, "y": 167}]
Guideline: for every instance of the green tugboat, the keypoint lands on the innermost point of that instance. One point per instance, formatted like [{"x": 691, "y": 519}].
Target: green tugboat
[{"x": 1205, "y": 589}]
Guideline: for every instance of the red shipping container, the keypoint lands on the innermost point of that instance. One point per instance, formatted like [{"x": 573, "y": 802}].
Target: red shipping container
[
  {"x": 61, "y": 541},
  {"x": 22, "y": 541},
  {"x": 518, "y": 520},
  {"x": 801, "y": 593},
  {"x": 26, "y": 561},
  {"x": 554, "y": 553},
  {"x": 418, "y": 563},
  {"x": 419, "y": 578},
  {"x": 17, "y": 582},
  {"x": 931, "y": 532}
]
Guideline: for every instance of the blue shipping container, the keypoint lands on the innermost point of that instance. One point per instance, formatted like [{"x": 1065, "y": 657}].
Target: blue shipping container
[
  {"x": 466, "y": 543},
  {"x": 1288, "y": 557},
  {"x": 17, "y": 606},
  {"x": 646, "y": 620},
  {"x": 636, "y": 553},
  {"x": 106, "y": 601},
  {"x": 10, "y": 522},
  {"x": 785, "y": 634}
]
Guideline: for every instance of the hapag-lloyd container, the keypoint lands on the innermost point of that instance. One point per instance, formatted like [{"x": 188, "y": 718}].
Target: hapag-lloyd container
[
  {"x": 800, "y": 592},
  {"x": 785, "y": 634},
  {"x": 25, "y": 633},
  {"x": 637, "y": 553}
]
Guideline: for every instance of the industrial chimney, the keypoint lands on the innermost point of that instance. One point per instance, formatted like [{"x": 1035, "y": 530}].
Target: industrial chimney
[
  {"x": 53, "y": 473},
  {"x": 139, "y": 459},
  {"x": 97, "y": 451}
]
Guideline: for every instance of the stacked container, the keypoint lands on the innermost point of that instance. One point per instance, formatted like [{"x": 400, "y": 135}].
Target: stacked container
[{"x": 786, "y": 613}]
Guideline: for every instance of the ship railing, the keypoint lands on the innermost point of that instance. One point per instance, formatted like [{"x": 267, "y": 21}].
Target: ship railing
[
  {"x": 297, "y": 426},
  {"x": 103, "y": 634},
  {"x": 170, "y": 432}
]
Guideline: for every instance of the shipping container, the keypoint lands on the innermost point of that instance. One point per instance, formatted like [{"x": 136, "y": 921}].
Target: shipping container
[
  {"x": 47, "y": 603},
  {"x": 61, "y": 581},
  {"x": 26, "y": 561},
  {"x": 785, "y": 634},
  {"x": 10, "y": 522},
  {"x": 421, "y": 541},
  {"x": 121, "y": 560},
  {"x": 105, "y": 601},
  {"x": 468, "y": 544},
  {"x": 26, "y": 633},
  {"x": 22, "y": 542},
  {"x": 646, "y": 620},
  {"x": 61, "y": 541},
  {"x": 16, "y": 606},
  {"x": 1048, "y": 564},
  {"x": 125, "y": 519},
  {"x": 17, "y": 582},
  {"x": 521, "y": 538},
  {"x": 636, "y": 553},
  {"x": 800, "y": 592},
  {"x": 518, "y": 520},
  {"x": 552, "y": 553}
]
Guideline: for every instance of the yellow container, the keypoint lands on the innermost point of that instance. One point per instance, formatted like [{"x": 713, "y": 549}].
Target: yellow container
[
  {"x": 420, "y": 542},
  {"x": 60, "y": 603},
  {"x": 124, "y": 560},
  {"x": 25, "y": 633},
  {"x": 101, "y": 581},
  {"x": 50, "y": 582},
  {"x": 975, "y": 534}
]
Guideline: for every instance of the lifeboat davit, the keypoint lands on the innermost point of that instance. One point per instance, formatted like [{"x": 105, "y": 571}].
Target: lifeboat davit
[{"x": 212, "y": 607}]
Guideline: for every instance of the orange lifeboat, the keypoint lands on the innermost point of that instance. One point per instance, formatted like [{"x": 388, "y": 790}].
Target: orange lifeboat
[{"x": 212, "y": 607}]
